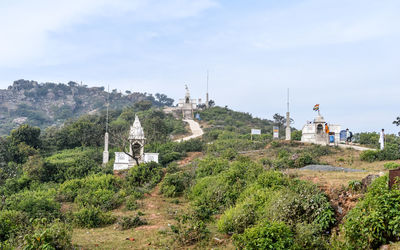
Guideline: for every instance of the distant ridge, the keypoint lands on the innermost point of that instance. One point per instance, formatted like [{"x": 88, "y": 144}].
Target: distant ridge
[{"x": 46, "y": 104}]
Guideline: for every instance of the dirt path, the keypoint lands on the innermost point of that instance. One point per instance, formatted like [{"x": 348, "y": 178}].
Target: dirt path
[{"x": 195, "y": 128}]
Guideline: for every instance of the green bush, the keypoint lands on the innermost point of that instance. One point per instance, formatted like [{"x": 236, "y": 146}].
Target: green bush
[
  {"x": 302, "y": 202},
  {"x": 36, "y": 204},
  {"x": 391, "y": 165},
  {"x": 266, "y": 235},
  {"x": 175, "y": 184},
  {"x": 390, "y": 152},
  {"x": 308, "y": 236},
  {"x": 189, "y": 230},
  {"x": 125, "y": 222},
  {"x": 304, "y": 160},
  {"x": 131, "y": 202},
  {"x": 238, "y": 218},
  {"x": 56, "y": 235},
  {"x": 103, "y": 198},
  {"x": 148, "y": 174},
  {"x": 376, "y": 218},
  {"x": 355, "y": 185},
  {"x": 369, "y": 155},
  {"x": 296, "y": 135},
  {"x": 211, "y": 166},
  {"x": 215, "y": 193},
  {"x": 91, "y": 217},
  {"x": 12, "y": 223}
]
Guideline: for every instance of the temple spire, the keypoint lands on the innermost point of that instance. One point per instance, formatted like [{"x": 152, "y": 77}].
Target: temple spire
[{"x": 106, "y": 155}]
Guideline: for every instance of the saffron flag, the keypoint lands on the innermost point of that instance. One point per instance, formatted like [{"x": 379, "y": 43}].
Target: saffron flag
[{"x": 316, "y": 107}]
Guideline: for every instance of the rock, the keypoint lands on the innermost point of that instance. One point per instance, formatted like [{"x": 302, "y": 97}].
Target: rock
[{"x": 368, "y": 180}]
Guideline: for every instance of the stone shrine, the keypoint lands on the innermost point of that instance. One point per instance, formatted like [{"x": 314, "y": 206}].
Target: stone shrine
[
  {"x": 187, "y": 105},
  {"x": 314, "y": 132},
  {"x": 136, "y": 149}
]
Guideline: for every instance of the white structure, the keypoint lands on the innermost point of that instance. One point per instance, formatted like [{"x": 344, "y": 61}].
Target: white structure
[
  {"x": 136, "y": 149},
  {"x": 314, "y": 132},
  {"x": 106, "y": 155},
  {"x": 288, "y": 130},
  {"x": 187, "y": 105}
]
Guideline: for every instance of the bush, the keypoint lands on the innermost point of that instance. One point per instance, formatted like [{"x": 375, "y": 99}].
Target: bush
[
  {"x": 148, "y": 174},
  {"x": 103, "y": 198},
  {"x": 304, "y": 160},
  {"x": 391, "y": 165},
  {"x": 36, "y": 204},
  {"x": 189, "y": 230},
  {"x": 11, "y": 223},
  {"x": 369, "y": 155},
  {"x": 238, "y": 218},
  {"x": 355, "y": 185},
  {"x": 175, "y": 184},
  {"x": 308, "y": 236},
  {"x": 56, "y": 235},
  {"x": 211, "y": 166},
  {"x": 125, "y": 222},
  {"x": 390, "y": 152},
  {"x": 302, "y": 202},
  {"x": 131, "y": 202},
  {"x": 91, "y": 217},
  {"x": 266, "y": 235},
  {"x": 376, "y": 218}
]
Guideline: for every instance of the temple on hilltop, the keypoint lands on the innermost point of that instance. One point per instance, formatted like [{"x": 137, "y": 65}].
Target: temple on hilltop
[
  {"x": 315, "y": 132},
  {"x": 187, "y": 105},
  {"x": 137, "y": 140}
]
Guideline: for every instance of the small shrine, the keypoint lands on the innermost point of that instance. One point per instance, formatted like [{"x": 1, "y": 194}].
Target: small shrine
[
  {"x": 320, "y": 132},
  {"x": 136, "y": 155},
  {"x": 187, "y": 105}
]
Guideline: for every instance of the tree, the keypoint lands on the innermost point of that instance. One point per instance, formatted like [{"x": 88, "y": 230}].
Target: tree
[
  {"x": 164, "y": 100},
  {"x": 211, "y": 103},
  {"x": 143, "y": 105},
  {"x": 27, "y": 134}
]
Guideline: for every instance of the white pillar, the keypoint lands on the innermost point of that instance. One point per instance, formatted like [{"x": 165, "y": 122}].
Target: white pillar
[
  {"x": 105, "y": 152},
  {"x": 288, "y": 131}
]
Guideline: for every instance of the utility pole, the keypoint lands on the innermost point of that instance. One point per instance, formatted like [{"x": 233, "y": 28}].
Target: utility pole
[
  {"x": 288, "y": 131},
  {"x": 106, "y": 155},
  {"x": 207, "y": 106}
]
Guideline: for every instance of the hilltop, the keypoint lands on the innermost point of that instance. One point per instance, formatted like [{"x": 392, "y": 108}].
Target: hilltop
[{"x": 46, "y": 104}]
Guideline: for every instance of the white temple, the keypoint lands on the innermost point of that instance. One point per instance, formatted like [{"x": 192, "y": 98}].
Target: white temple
[
  {"x": 187, "y": 105},
  {"x": 314, "y": 132},
  {"x": 136, "y": 149}
]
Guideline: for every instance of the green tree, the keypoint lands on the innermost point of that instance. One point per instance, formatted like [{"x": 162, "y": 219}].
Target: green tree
[{"x": 27, "y": 134}]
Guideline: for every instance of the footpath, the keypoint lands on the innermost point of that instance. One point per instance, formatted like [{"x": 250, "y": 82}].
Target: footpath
[{"x": 197, "y": 131}]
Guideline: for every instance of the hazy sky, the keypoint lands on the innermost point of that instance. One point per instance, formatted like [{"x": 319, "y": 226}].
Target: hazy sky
[{"x": 342, "y": 54}]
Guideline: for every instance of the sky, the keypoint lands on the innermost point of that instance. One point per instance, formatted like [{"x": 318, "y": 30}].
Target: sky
[{"x": 341, "y": 54}]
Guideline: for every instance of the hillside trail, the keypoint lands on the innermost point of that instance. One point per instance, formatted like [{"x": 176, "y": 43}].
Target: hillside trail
[
  {"x": 197, "y": 131},
  {"x": 160, "y": 211}
]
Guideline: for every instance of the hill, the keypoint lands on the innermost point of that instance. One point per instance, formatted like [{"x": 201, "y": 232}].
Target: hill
[{"x": 46, "y": 104}]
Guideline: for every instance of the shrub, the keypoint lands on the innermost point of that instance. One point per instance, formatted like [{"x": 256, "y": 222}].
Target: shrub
[
  {"x": 189, "y": 230},
  {"x": 91, "y": 217},
  {"x": 56, "y": 235},
  {"x": 148, "y": 174},
  {"x": 126, "y": 222},
  {"x": 355, "y": 185},
  {"x": 304, "y": 160},
  {"x": 376, "y": 218},
  {"x": 369, "y": 155},
  {"x": 302, "y": 202},
  {"x": 266, "y": 235},
  {"x": 131, "y": 203},
  {"x": 103, "y": 198},
  {"x": 391, "y": 165},
  {"x": 296, "y": 135},
  {"x": 390, "y": 152},
  {"x": 238, "y": 218},
  {"x": 308, "y": 236},
  {"x": 11, "y": 223},
  {"x": 215, "y": 193},
  {"x": 36, "y": 204},
  {"x": 211, "y": 166},
  {"x": 175, "y": 184}
]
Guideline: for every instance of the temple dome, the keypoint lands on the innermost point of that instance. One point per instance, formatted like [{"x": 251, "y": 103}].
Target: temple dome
[{"x": 136, "y": 132}]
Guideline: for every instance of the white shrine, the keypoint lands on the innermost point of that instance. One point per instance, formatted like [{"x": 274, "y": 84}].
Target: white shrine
[
  {"x": 187, "y": 105},
  {"x": 125, "y": 160},
  {"x": 314, "y": 132}
]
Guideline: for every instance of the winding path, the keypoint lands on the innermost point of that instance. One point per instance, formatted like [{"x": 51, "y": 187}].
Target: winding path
[{"x": 195, "y": 128}]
